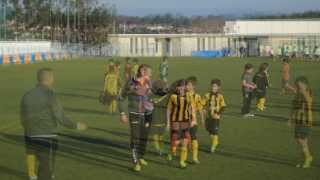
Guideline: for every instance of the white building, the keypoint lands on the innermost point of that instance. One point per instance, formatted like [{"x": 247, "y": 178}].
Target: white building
[
  {"x": 259, "y": 37},
  {"x": 166, "y": 44},
  {"x": 263, "y": 36}
]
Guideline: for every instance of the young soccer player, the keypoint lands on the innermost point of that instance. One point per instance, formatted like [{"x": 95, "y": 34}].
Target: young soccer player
[
  {"x": 135, "y": 67},
  {"x": 286, "y": 87},
  {"x": 180, "y": 112},
  {"x": 214, "y": 105},
  {"x": 118, "y": 67},
  {"x": 127, "y": 69},
  {"x": 261, "y": 79},
  {"x": 196, "y": 99},
  {"x": 112, "y": 86},
  {"x": 247, "y": 90},
  {"x": 302, "y": 117},
  {"x": 110, "y": 64},
  {"x": 158, "y": 125},
  {"x": 164, "y": 69}
]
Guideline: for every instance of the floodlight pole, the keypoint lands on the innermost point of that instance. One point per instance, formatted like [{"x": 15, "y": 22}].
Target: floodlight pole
[
  {"x": 68, "y": 22},
  {"x": 4, "y": 19}
]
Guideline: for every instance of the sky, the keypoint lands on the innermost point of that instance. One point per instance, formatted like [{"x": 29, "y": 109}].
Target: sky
[{"x": 216, "y": 7}]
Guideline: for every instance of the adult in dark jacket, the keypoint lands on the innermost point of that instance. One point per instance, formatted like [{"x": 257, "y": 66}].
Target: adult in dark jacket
[{"x": 41, "y": 113}]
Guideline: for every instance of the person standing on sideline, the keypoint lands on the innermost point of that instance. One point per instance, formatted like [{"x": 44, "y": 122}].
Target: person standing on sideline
[
  {"x": 41, "y": 113},
  {"x": 247, "y": 90},
  {"x": 140, "y": 108}
]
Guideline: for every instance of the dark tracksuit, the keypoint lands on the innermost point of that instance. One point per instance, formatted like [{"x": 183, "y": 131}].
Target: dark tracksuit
[
  {"x": 140, "y": 115},
  {"x": 247, "y": 94},
  {"x": 41, "y": 112}
]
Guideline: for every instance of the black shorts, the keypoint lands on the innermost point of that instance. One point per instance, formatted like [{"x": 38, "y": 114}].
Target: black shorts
[
  {"x": 38, "y": 144},
  {"x": 193, "y": 132},
  {"x": 301, "y": 132},
  {"x": 180, "y": 130},
  {"x": 212, "y": 126}
]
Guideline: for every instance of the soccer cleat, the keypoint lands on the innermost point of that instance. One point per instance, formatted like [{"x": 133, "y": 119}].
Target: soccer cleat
[
  {"x": 143, "y": 162},
  {"x": 248, "y": 115},
  {"x": 260, "y": 109},
  {"x": 137, "y": 168},
  {"x": 33, "y": 178},
  {"x": 183, "y": 164},
  {"x": 307, "y": 162},
  {"x": 196, "y": 161},
  {"x": 169, "y": 157},
  {"x": 213, "y": 149}
]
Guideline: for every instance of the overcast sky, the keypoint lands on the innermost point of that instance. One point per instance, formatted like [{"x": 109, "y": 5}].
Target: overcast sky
[{"x": 218, "y": 7}]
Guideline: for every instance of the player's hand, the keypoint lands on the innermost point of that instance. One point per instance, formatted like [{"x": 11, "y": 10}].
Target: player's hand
[
  {"x": 82, "y": 126},
  {"x": 124, "y": 119}
]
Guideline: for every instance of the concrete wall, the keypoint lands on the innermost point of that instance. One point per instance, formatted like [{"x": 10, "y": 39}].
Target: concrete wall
[{"x": 14, "y": 47}]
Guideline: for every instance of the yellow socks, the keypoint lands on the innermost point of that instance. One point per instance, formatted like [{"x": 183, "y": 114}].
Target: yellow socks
[
  {"x": 31, "y": 165},
  {"x": 195, "y": 151},
  {"x": 214, "y": 142},
  {"x": 308, "y": 158},
  {"x": 174, "y": 150},
  {"x": 183, "y": 156},
  {"x": 261, "y": 103},
  {"x": 112, "y": 107},
  {"x": 156, "y": 142}
]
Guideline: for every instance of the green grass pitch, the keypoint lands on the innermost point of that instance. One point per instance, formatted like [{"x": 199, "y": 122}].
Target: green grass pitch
[{"x": 260, "y": 148}]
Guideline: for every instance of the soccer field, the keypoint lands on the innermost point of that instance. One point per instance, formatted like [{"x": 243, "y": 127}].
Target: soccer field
[{"x": 261, "y": 148}]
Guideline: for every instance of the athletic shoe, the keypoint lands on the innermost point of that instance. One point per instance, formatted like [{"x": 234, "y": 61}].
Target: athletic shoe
[
  {"x": 137, "y": 168},
  {"x": 196, "y": 161},
  {"x": 143, "y": 162},
  {"x": 33, "y": 178},
  {"x": 183, "y": 164},
  {"x": 213, "y": 149},
  {"x": 307, "y": 162}
]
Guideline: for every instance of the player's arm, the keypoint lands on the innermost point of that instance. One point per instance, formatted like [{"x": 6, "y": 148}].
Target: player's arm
[
  {"x": 58, "y": 114},
  {"x": 169, "y": 111},
  {"x": 308, "y": 99},
  {"x": 204, "y": 103},
  {"x": 192, "y": 109},
  {"x": 121, "y": 103},
  {"x": 223, "y": 105}
]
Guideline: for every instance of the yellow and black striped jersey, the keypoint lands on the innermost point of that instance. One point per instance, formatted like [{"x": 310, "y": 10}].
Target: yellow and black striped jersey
[
  {"x": 181, "y": 108},
  {"x": 213, "y": 103},
  {"x": 302, "y": 110},
  {"x": 196, "y": 100}
]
